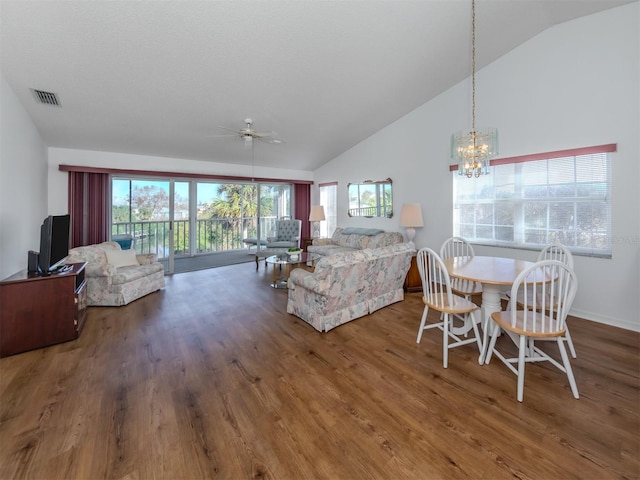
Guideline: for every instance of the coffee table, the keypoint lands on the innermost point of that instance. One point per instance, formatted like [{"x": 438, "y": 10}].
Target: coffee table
[{"x": 288, "y": 261}]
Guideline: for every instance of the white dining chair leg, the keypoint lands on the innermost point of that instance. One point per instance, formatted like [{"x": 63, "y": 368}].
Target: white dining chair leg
[
  {"x": 422, "y": 323},
  {"x": 570, "y": 342},
  {"x": 567, "y": 367},
  {"x": 492, "y": 343},
  {"x": 530, "y": 349},
  {"x": 521, "y": 362},
  {"x": 445, "y": 341},
  {"x": 485, "y": 338},
  {"x": 476, "y": 331}
]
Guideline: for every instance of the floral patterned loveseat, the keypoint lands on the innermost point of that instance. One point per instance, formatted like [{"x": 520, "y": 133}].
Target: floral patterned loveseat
[
  {"x": 352, "y": 238},
  {"x": 349, "y": 285},
  {"x": 117, "y": 277}
]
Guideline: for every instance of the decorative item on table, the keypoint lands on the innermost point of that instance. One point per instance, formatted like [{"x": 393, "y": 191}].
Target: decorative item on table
[
  {"x": 294, "y": 253},
  {"x": 411, "y": 217}
]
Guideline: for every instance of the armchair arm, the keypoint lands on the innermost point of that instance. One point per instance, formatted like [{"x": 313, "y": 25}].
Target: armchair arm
[{"x": 147, "y": 258}]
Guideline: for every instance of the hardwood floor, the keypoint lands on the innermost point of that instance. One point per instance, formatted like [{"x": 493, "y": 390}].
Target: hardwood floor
[{"x": 211, "y": 378}]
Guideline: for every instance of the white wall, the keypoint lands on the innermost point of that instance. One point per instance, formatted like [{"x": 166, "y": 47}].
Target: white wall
[
  {"x": 574, "y": 85},
  {"x": 23, "y": 183}
]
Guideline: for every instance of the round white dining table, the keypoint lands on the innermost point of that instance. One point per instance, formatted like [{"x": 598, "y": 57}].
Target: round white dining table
[{"x": 495, "y": 274}]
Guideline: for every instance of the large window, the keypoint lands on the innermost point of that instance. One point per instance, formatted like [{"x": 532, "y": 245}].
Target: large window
[
  {"x": 205, "y": 217},
  {"x": 329, "y": 200},
  {"x": 530, "y": 202}
]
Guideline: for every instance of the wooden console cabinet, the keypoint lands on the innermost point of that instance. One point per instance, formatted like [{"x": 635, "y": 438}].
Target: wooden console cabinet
[{"x": 37, "y": 311}]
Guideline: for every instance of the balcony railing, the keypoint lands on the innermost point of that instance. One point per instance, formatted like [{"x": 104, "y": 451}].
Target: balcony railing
[{"x": 211, "y": 235}]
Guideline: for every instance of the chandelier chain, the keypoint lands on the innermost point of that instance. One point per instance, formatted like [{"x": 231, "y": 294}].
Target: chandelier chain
[
  {"x": 473, "y": 66},
  {"x": 473, "y": 149}
]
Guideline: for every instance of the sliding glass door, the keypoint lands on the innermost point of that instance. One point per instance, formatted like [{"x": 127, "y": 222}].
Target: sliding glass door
[
  {"x": 186, "y": 218},
  {"x": 154, "y": 213}
]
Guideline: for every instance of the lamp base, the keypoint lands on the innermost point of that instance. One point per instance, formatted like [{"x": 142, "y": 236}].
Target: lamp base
[{"x": 411, "y": 232}]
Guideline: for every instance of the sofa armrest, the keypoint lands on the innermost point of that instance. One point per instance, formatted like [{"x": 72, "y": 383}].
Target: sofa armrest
[
  {"x": 322, "y": 241},
  {"x": 308, "y": 281},
  {"x": 147, "y": 258}
]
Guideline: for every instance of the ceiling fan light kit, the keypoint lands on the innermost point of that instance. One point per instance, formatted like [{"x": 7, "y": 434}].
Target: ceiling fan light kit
[{"x": 248, "y": 134}]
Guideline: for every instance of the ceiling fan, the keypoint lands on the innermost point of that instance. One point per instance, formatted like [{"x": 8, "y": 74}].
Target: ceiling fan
[{"x": 248, "y": 134}]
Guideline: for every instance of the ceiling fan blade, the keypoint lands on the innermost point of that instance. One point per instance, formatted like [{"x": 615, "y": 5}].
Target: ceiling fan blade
[
  {"x": 265, "y": 134},
  {"x": 273, "y": 141},
  {"x": 224, "y": 135},
  {"x": 233, "y": 130}
]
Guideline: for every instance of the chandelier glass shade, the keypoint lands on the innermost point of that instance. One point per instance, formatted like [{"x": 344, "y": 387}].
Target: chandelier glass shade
[{"x": 473, "y": 149}]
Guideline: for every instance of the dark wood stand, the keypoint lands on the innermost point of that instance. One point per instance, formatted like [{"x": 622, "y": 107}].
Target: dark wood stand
[
  {"x": 37, "y": 311},
  {"x": 413, "y": 282},
  {"x": 305, "y": 243}
]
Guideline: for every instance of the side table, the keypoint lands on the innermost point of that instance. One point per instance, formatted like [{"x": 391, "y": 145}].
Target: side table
[
  {"x": 305, "y": 243},
  {"x": 413, "y": 282}
]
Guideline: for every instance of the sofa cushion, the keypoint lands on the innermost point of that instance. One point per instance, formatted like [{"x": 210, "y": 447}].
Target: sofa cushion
[
  {"x": 361, "y": 231},
  {"x": 121, "y": 258},
  {"x": 325, "y": 250},
  {"x": 350, "y": 240},
  {"x": 131, "y": 273},
  {"x": 385, "y": 239}
]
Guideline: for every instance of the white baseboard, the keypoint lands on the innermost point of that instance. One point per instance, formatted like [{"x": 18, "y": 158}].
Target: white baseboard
[{"x": 614, "y": 322}]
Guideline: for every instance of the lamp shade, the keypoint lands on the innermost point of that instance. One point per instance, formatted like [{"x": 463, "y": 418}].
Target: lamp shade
[
  {"x": 411, "y": 215},
  {"x": 317, "y": 213}
]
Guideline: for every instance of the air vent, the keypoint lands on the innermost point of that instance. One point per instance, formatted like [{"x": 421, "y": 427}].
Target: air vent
[{"x": 46, "y": 98}]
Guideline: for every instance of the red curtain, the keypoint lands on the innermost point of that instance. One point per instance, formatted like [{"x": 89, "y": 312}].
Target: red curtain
[
  {"x": 88, "y": 206},
  {"x": 302, "y": 202}
]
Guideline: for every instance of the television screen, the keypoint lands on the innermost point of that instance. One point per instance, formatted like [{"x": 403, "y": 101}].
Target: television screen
[
  {"x": 54, "y": 242},
  {"x": 59, "y": 239}
]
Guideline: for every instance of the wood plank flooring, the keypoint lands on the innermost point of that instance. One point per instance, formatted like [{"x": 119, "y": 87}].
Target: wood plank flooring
[{"x": 212, "y": 379}]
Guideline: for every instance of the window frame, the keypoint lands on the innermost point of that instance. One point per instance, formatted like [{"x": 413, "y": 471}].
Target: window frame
[
  {"x": 329, "y": 200},
  {"x": 519, "y": 202}
]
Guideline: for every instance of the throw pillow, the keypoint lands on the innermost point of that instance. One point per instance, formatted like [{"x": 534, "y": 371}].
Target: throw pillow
[{"x": 121, "y": 258}]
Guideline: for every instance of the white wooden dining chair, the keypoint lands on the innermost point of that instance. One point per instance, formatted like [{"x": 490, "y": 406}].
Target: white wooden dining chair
[
  {"x": 559, "y": 252},
  {"x": 542, "y": 316},
  {"x": 458, "y": 313},
  {"x": 459, "y": 247}
]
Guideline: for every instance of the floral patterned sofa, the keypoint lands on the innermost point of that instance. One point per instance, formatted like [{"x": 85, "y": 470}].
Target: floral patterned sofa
[
  {"x": 349, "y": 285},
  {"x": 117, "y": 277},
  {"x": 351, "y": 239}
]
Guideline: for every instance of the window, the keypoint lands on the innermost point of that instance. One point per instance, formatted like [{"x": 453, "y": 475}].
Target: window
[
  {"x": 329, "y": 200},
  {"x": 529, "y": 202}
]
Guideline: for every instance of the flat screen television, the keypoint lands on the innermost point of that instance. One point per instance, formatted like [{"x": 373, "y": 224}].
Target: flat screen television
[{"x": 54, "y": 242}]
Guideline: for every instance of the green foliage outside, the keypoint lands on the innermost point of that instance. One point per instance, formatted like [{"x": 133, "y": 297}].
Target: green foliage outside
[{"x": 221, "y": 225}]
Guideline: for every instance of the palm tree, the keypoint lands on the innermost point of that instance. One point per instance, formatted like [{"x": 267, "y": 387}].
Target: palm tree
[{"x": 237, "y": 204}]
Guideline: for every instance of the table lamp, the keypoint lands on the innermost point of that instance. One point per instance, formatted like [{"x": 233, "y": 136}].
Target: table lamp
[
  {"x": 316, "y": 216},
  {"x": 410, "y": 218}
]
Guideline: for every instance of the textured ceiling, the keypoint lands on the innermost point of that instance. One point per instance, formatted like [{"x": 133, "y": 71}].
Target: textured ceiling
[{"x": 159, "y": 77}]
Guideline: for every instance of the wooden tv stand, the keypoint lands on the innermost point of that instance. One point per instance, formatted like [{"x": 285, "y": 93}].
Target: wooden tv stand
[{"x": 37, "y": 311}]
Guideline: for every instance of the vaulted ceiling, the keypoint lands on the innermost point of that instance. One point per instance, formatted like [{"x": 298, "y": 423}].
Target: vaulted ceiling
[{"x": 160, "y": 77}]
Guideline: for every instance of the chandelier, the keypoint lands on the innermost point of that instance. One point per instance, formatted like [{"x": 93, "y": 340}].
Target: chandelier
[{"x": 472, "y": 150}]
